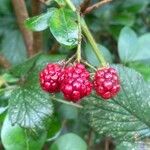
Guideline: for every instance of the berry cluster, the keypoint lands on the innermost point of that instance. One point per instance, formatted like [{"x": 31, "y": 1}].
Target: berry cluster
[
  {"x": 74, "y": 81},
  {"x": 50, "y": 78},
  {"x": 106, "y": 83}
]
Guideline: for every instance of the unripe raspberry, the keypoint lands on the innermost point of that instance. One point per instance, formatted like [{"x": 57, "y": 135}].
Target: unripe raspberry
[
  {"x": 106, "y": 83},
  {"x": 76, "y": 83},
  {"x": 50, "y": 78}
]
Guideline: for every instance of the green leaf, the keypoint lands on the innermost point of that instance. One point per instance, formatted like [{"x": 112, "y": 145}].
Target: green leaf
[
  {"x": 5, "y": 7},
  {"x": 125, "y": 117},
  {"x": 132, "y": 146},
  {"x": 29, "y": 105},
  {"x": 3, "y": 107},
  {"x": 39, "y": 60},
  {"x": 44, "y": 59},
  {"x": 68, "y": 112},
  {"x": 61, "y": 2},
  {"x": 39, "y": 23},
  {"x": 144, "y": 69},
  {"x": 69, "y": 141},
  {"x": 91, "y": 57},
  {"x": 5, "y": 94},
  {"x": 127, "y": 45},
  {"x": 135, "y": 6},
  {"x": 123, "y": 18},
  {"x": 132, "y": 48},
  {"x": 77, "y": 3},
  {"x": 13, "y": 47},
  {"x": 23, "y": 68},
  {"x": 143, "y": 47},
  {"x": 9, "y": 78},
  {"x": 17, "y": 138},
  {"x": 63, "y": 26},
  {"x": 53, "y": 129}
]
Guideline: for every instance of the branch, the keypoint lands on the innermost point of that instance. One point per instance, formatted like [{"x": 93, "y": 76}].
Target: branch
[
  {"x": 95, "y": 6},
  {"x": 54, "y": 48},
  {"x": 107, "y": 144},
  {"x": 4, "y": 62},
  {"x": 22, "y": 14},
  {"x": 45, "y": 2},
  {"x": 37, "y": 36},
  {"x": 84, "y": 5},
  {"x": 90, "y": 139}
]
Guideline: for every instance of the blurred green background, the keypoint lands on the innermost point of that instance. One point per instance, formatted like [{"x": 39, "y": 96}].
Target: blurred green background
[{"x": 122, "y": 30}]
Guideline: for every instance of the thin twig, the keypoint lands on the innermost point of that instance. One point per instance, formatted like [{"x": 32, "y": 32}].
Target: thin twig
[
  {"x": 107, "y": 142},
  {"x": 37, "y": 36},
  {"x": 89, "y": 65},
  {"x": 45, "y": 2},
  {"x": 66, "y": 102},
  {"x": 54, "y": 48},
  {"x": 70, "y": 59},
  {"x": 89, "y": 36},
  {"x": 84, "y": 5},
  {"x": 79, "y": 37},
  {"x": 95, "y": 6},
  {"x": 90, "y": 139},
  {"x": 4, "y": 62},
  {"x": 22, "y": 14}
]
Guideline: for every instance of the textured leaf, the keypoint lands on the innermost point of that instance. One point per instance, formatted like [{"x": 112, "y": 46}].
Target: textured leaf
[
  {"x": 9, "y": 78},
  {"x": 125, "y": 117},
  {"x": 24, "y": 67},
  {"x": 4, "y": 96},
  {"x": 132, "y": 146},
  {"x": 38, "y": 60},
  {"x": 44, "y": 59},
  {"x": 127, "y": 45},
  {"x": 39, "y": 23},
  {"x": 63, "y": 27},
  {"x": 69, "y": 141},
  {"x": 17, "y": 138},
  {"x": 29, "y": 106},
  {"x": 13, "y": 47},
  {"x": 91, "y": 57}
]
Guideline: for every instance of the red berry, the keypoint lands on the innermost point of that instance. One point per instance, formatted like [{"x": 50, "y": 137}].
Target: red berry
[
  {"x": 106, "y": 83},
  {"x": 50, "y": 78},
  {"x": 76, "y": 84}
]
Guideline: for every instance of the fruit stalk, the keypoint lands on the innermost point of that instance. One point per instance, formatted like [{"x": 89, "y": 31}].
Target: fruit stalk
[
  {"x": 66, "y": 102},
  {"x": 79, "y": 38},
  {"x": 89, "y": 37},
  {"x": 93, "y": 43}
]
